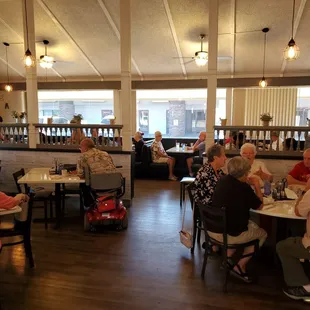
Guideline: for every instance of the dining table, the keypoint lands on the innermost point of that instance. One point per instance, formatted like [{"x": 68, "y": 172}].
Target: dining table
[
  {"x": 41, "y": 176},
  {"x": 180, "y": 150}
]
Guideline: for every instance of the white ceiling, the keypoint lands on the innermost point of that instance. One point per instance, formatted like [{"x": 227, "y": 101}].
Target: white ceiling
[{"x": 84, "y": 38}]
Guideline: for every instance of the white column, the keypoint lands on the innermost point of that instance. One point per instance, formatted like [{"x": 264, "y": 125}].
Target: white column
[
  {"x": 125, "y": 95},
  {"x": 133, "y": 111},
  {"x": 238, "y": 112},
  {"x": 212, "y": 71},
  {"x": 31, "y": 74},
  {"x": 228, "y": 105},
  {"x": 117, "y": 106}
]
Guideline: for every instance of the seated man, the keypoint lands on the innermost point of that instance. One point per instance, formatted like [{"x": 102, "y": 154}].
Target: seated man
[
  {"x": 275, "y": 139},
  {"x": 138, "y": 142},
  {"x": 97, "y": 161},
  {"x": 234, "y": 193},
  {"x": 159, "y": 155},
  {"x": 258, "y": 168},
  {"x": 300, "y": 174},
  {"x": 198, "y": 146},
  {"x": 209, "y": 174},
  {"x": 293, "y": 249}
]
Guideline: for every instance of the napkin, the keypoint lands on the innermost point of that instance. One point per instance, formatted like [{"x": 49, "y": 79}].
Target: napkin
[
  {"x": 290, "y": 194},
  {"x": 268, "y": 200}
]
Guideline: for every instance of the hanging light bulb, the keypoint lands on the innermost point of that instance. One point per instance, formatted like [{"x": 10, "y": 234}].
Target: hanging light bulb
[
  {"x": 263, "y": 83},
  {"x": 291, "y": 52},
  {"x": 29, "y": 60},
  {"x": 201, "y": 58},
  {"x": 8, "y": 87}
]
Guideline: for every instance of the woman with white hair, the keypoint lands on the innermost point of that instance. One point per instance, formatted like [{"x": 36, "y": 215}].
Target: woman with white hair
[
  {"x": 159, "y": 155},
  {"x": 258, "y": 168},
  {"x": 236, "y": 195}
]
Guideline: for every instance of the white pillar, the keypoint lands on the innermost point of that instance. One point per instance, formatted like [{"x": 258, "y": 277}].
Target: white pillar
[
  {"x": 125, "y": 95},
  {"x": 212, "y": 71},
  {"x": 31, "y": 73},
  {"x": 133, "y": 111},
  {"x": 238, "y": 113},
  {"x": 228, "y": 105},
  {"x": 117, "y": 106}
]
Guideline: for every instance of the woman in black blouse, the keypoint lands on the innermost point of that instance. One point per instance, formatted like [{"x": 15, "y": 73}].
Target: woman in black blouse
[{"x": 138, "y": 143}]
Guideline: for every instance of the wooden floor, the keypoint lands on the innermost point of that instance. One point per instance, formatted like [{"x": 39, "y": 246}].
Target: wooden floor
[{"x": 144, "y": 267}]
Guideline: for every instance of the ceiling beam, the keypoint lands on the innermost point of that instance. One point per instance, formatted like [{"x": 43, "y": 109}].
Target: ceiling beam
[
  {"x": 67, "y": 34},
  {"x": 174, "y": 35},
  {"x": 116, "y": 31},
  {"x": 296, "y": 24}
]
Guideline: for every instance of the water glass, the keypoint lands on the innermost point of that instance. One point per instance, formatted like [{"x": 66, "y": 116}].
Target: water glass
[{"x": 177, "y": 146}]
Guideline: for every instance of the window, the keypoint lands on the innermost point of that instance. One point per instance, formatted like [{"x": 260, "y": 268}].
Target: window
[
  {"x": 63, "y": 105},
  {"x": 303, "y": 106},
  {"x": 176, "y": 113}
]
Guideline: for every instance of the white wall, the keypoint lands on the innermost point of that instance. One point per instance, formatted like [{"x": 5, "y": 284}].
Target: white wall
[{"x": 16, "y": 101}]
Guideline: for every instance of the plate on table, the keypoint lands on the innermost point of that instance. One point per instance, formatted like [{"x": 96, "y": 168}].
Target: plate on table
[
  {"x": 56, "y": 177},
  {"x": 290, "y": 194}
]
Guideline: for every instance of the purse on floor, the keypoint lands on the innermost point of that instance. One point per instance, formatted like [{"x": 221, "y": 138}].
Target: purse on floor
[{"x": 186, "y": 237}]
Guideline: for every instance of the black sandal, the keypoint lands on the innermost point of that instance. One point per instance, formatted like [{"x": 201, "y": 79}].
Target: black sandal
[{"x": 241, "y": 275}]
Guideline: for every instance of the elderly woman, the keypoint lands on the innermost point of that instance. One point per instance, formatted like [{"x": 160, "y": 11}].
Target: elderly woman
[
  {"x": 234, "y": 193},
  {"x": 138, "y": 142},
  {"x": 209, "y": 174},
  {"x": 258, "y": 168}
]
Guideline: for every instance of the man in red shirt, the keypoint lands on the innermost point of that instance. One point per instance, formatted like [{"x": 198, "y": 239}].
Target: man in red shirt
[{"x": 301, "y": 171}]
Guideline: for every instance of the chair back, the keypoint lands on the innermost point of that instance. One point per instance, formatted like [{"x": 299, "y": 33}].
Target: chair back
[
  {"x": 214, "y": 219},
  {"x": 105, "y": 182},
  {"x": 18, "y": 175}
]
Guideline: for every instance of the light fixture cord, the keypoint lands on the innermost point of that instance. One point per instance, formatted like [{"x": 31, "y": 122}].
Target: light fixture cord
[
  {"x": 264, "y": 61},
  {"x": 201, "y": 44},
  {"x": 293, "y": 17},
  {"x": 26, "y": 17},
  {"x": 7, "y": 64}
]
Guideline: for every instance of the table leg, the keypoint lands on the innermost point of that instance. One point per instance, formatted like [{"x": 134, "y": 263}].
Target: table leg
[
  {"x": 181, "y": 194},
  {"x": 58, "y": 205}
]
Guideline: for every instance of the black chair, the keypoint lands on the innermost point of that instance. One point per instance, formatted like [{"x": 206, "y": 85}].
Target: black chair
[
  {"x": 21, "y": 229},
  {"x": 197, "y": 227},
  {"x": 72, "y": 189},
  {"x": 41, "y": 195},
  {"x": 215, "y": 219}
]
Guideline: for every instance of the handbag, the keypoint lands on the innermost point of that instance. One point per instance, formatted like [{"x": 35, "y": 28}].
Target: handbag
[{"x": 186, "y": 237}]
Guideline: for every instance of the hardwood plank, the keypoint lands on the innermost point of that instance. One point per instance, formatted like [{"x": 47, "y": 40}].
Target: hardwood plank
[{"x": 144, "y": 267}]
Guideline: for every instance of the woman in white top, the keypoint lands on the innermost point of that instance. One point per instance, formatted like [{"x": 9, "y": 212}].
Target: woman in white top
[{"x": 258, "y": 168}]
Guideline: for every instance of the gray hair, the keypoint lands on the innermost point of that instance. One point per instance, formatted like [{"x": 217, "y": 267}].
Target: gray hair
[
  {"x": 238, "y": 167},
  {"x": 246, "y": 146},
  {"x": 214, "y": 150}
]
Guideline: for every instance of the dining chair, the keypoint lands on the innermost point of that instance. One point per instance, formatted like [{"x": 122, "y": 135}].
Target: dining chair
[
  {"x": 21, "y": 229},
  {"x": 216, "y": 219},
  {"x": 197, "y": 227},
  {"x": 41, "y": 195}
]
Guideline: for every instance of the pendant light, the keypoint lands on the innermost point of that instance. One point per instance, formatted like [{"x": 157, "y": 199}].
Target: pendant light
[
  {"x": 292, "y": 52},
  {"x": 263, "y": 83},
  {"x": 8, "y": 87},
  {"x": 29, "y": 59},
  {"x": 201, "y": 57}
]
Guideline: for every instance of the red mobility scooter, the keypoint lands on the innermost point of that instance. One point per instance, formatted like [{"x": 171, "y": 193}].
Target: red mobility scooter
[{"x": 108, "y": 208}]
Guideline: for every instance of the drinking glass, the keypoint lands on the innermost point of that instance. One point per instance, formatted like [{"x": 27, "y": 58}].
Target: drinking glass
[{"x": 177, "y": 146}]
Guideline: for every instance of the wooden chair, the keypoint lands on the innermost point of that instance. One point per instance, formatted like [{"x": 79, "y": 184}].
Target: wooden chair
[
  {"x": 21, "y": 229},
  {"x": 41, "y": 195},
  {"x": 197, "y": 227},
  {"x": 185, "y": 181},
  {"x": 216, "y": 218}
]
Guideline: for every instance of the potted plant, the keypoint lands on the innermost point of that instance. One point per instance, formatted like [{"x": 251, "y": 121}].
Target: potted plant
[
  {"x": 15, "y": 115},
  {"x": 78, "y": 118},
  {"x": 266, "y": 118},
  {"x": 22, "y": 116},
  {"x": 223, "y": 121},
  {"x": 112, "y": 120}
]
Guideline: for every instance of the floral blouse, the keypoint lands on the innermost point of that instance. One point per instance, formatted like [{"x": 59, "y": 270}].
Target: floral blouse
[{"x": 205, "y": 183}]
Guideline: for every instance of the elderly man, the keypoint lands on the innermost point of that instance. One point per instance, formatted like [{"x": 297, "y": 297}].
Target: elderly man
[
  {"x": 97, "y": 161},
  {"x": 198, "y": 146},
  {"x": 292, "y": 250},
  {"x": 258, "y": 168},
  {"x": 234, "y": 192},
  {"x": 275, "y": 140},
  {"x": 300, "y": 174},
  {"x": 159, "y": 155}
]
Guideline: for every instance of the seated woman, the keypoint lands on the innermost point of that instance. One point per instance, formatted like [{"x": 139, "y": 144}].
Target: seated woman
[
  {"x": 159, "y": 155},
  {"x": 234, "y": 144},
  {"x": 234, "y": 193},
  {"x": 258, "y": 168},
  {"x": 138, "y": 142},
  {"x": 209, "y": 174}
]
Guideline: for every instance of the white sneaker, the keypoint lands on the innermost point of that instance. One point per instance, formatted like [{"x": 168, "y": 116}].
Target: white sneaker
[{"x": 173, "y": 178}]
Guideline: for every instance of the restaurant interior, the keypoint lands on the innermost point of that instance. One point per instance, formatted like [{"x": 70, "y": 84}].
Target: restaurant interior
[{"x": 158, "y": 92}]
